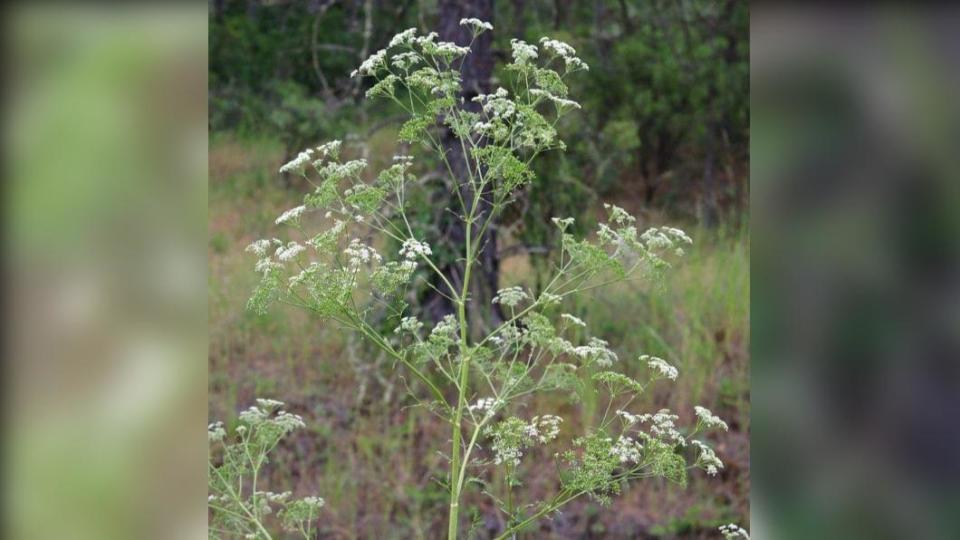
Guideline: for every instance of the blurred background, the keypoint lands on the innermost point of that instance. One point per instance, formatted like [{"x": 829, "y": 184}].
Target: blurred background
[
  {"x": 663, "y": 132},
  {"x": 855, "y": 207}
]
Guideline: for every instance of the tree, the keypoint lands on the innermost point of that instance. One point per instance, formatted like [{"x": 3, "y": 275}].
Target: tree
[{"x": 476, "y": 70}]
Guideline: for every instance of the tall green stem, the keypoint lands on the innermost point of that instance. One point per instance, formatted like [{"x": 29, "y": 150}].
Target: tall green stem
[{"x": 455, "y": 472}]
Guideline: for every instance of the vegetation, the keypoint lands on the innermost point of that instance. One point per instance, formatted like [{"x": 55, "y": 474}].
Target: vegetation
[{"x": 501, "y": 367}]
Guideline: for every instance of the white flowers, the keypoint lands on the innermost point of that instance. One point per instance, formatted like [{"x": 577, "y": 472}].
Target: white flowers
[
  {"x": 403, "y": 38},
  {"x": 660, "y": 367},
  {"x": 596, "y": 350},
  {"x": 288, "y": 252},
  {"x": 576, "y": 321},
  {"x": 269, "y": 404},
  {"x": 314, "y": 502},
  {"x": 513, "y": 435},
  {"x": 405, "y": 60},
  {"x": 259, "y": 248},
  {"x": 255, "y": 416},
  {"x": 359, "y": 254},
  {"x": 731, "y": 531},
  {"x": 483, "y": 404},
  {"x": 663, "y": 426},
  {"x": 565, "y": 51},
  {"x": 510, "y": 296},
  {"x": 664, "y": 238},
  {"x": 476, "y": 25},
  {"x": 371, "y": 65},
  {"x": 560, "y": 102},
  {"x": 298, "y": 163},
  {"x": 562, "y": 223},
  {"x": 628, "y": 418},
  {"x": 330, "y": 149},
  {"x": 523, "y": 52},
  {"x": 292, "y": 214},
  {"x": 215, "y": 432},
  {"x": 626, "y": 450},
  {"x": 543, "y": 428},
  {"x": 410, "y": 325},
  {"x": 446, "y": 48},
  {"x": 549, "y": 299},
  {"x": 708, "y": 420},
  {"x": 707, "y": 459},
  {"x": 496, "y": 105},
  {"x": 413, "y": 248}
]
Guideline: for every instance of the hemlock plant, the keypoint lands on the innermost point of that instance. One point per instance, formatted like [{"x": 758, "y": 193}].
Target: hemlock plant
[{"x": 480, "y": 377}]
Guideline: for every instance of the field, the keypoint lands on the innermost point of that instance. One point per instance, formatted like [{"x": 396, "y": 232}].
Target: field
[{"x": 373, "y": 456}]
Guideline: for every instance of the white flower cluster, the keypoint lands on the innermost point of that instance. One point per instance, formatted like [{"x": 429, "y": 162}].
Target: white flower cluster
[
  {"x": 709, "y": 420},
  {"x": 562, "y": 223},
  {"x": 510, "y": 296},
  {"x": 298, "y": 163},
  {"x": 665, "y": 238},
  {"x": 559, "y": 101},
  {"x": 259, "y": 247},
  {"x": 288, "y": 252},
  {"x": 506, "y": 454},
  {"x": 410, "y": 325},
  {"x": 446, "y": 48},
  {"x": 483, "y": 404},
  {"x": 265, "y": 265},
  {"x": 342, "y": 170},
  {"x": 215, "y": 432},
  {"x": 629, "y": 418},
  {"x": 576, "y": 321},
  {"x": 256, "y": 415},
  {"x": 549, "y": 299},
  {"x": 405, "y": 60},
  {"x": 597, "y": 350},
  {"x": 289, "y": 421},
  {"x": 708, "y": 458},
  {"x": 359, "y": 254},
  {"x": 663, "y": 426},
  {"x": 476, "y": 24},
  {"x": 403, "y": 38},
  {"x": 446, "y": 328},
  {"x": 523, "y": 52},
  {"x": 292, "y": 214},
  {"x": 371, "y": 65},
  {"x": 565, "y": 51},
  {"x": 660, "y": 366},
  {"x": 731, "y": 531},
  {"x": 315, "y": 502},
  {"x": 619, "y": 215},
  {"x": 400, "y": 158},
  {"x": 543, "y": 428},
  {"x": 626, "y": 450},
  {"x": 269, "y": 404},
  {"x": 413, "y": 248},
  {"x": 330, "y": 149},
  {"x": 496, "y": 105}
]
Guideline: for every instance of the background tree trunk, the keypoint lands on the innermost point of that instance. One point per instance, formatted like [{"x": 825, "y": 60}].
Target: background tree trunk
[{"x": 476, "y": 70}]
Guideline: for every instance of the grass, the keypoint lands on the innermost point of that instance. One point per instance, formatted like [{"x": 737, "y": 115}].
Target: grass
[{"x": 375, "y": 459}]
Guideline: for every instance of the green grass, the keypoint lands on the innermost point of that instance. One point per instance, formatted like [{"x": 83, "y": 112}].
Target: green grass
[{"x": 375, "y": 459}]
